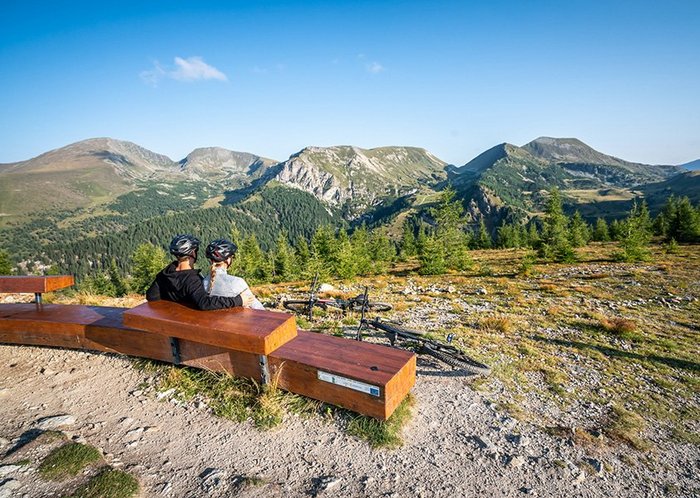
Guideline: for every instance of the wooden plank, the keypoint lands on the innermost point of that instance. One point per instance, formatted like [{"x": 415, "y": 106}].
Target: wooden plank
[
  {"x": 100, "y": 328},
  {"x": 239, "y": 329},
  {"x": 217, "y": 359},
  {"x": 34, "y": 284},
  {"x": 392, "y": 371},
  {"x": 45, "y": 325}
]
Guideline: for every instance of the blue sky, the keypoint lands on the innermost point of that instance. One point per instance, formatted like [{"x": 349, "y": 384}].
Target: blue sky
[{"x": 273, "y": 77}]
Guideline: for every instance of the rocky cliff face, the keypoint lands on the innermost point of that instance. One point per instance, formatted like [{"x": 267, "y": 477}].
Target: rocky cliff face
[{"x": 360, "y": 178}]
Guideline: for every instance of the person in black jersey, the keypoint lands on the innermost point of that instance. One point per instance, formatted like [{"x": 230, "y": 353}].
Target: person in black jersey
[{"x": 181, "y": 283}]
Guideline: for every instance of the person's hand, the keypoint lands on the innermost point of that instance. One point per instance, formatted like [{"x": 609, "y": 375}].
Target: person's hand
[{"x": 248, "y": 298}]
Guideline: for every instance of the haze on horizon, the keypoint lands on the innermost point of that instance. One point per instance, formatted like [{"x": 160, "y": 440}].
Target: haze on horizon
[{"x": 273, "y": 77}]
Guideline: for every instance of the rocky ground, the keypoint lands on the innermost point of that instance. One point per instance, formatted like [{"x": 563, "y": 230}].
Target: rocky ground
[{"x": 541, "y": 431}]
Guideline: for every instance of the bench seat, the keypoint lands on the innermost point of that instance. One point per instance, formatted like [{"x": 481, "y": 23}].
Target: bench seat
[
  {"x": 240, "y": 329},
  {"x": 367, "y": 378}
]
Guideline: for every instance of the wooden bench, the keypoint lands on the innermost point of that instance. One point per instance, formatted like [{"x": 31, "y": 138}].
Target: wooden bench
[
  {"x": 367, "y": 378},
  {"x": 35, "y": 284},
  {"x": 262, "y": 345}
]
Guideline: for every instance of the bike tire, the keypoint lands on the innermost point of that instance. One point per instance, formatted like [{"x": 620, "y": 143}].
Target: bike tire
[
  {"x": 297, "y": 306},
  {"x": 371, "y": 306},
  {"x": 394, "y": 328},
  {"x": 455, "y": 358}
]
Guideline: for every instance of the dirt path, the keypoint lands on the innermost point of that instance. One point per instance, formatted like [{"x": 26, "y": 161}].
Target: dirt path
[{"x": 457, "y": 444}]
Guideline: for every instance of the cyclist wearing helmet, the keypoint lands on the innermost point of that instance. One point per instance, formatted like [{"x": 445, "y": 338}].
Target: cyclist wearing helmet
[
  {"x": 220, "y": 253},
  {"x": 181, "y": 283}
]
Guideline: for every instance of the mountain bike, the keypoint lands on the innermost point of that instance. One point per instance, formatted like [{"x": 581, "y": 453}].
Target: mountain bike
[
  {"x": 305, "y": 306},
  {"x": 421, "y": 344}
]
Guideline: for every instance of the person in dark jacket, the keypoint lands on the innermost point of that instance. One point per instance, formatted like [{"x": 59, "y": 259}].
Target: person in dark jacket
[{"x": 181, "y": 283}]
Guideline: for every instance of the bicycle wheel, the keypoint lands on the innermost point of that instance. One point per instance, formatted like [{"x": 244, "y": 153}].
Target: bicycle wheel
[
  {"x": 455, "y": 358},
  {"x": 391, "y": 327},
  {"x": 380, "y": 306},
  {"x": 372, "y": 306},
  {"x": 301, "y": 307}
]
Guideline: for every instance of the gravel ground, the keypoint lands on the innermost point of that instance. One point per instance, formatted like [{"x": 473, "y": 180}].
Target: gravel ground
[{"x": 457, "y": 443}]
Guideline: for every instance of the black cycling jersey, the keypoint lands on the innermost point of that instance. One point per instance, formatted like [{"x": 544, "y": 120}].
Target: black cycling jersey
[{"x": 186, "y": 287}]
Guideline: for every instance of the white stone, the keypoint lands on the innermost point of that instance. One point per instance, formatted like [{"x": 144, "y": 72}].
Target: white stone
[
  {"x": 7, "y": 488},
  {"x": 8, "y": 469},
  {"x": 48, "y": 423}
]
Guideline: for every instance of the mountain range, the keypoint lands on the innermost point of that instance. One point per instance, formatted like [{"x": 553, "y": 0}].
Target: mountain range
[{"x": 98, "y": 176}]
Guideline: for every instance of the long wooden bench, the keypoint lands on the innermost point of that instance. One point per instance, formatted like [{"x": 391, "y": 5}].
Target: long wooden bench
[{"x": 362, "y": 377}]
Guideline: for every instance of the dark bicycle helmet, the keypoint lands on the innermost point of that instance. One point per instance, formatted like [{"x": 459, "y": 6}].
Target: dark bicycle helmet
[
  {"x": 220, "y": 250},
  {"x": 183, "y": 245}
]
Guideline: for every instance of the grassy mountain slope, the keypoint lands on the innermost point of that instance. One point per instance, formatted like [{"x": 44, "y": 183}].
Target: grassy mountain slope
[
  {"x": 94, "y": 173},
  {"x": 507, "y": 180},
  {"x": 80, "y": 175},
  {"x": 582, "y": 160},
  {"x": 273, "y": 209},
  {"x": 225, "y": 166},
  {"x": 692, "y": 165}
]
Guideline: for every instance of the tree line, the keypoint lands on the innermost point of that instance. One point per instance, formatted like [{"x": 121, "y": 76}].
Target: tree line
[{"x": 434, "y": 241}]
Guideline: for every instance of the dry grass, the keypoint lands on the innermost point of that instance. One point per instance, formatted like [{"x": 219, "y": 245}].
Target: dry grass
[
  {"x": 502, "y": 324},
  {"x": 556, "y": 339},
  {"x": 627, "y": 426},
  {"x": 618, "y": 325}
]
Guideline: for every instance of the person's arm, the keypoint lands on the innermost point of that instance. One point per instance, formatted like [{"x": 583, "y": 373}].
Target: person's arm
[
  {"x": 204, "y": 301},
  {"x": 153, "y": 292}
]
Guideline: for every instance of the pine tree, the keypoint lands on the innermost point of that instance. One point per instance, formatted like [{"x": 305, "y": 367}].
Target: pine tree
[
  {"x": 509, "y": 236},
  {"x": 408, "y": 241},
  {"x": 635, "y": 235},
  {"x": 381, "y": 251},
  {"x": 555, "y": 244},
  {"x": 601, "y": 232},
  {"x": 421, "y": 239},
  {"x": 483, "y": 238},
  {"x": 303, "y": 255},
  {"x": 116, "y": 280},
  {"x": 343, "y": 262},
  {"x": 284, "y": 265},
  {"x": 98, "y": 283},
  {"x": 616, "y": 228},
  {"x": 360, "y": 241},
  {"x": 579, "y": 231},
  {"x": 146, "y": 262},
  {"x": 687, "y": 227},
  {"x": 322, "y": 250},
  {"x": 5, "y": 263},
  {"x": 251, "y": 262},
  {"x": 449, "y": 232},
  {"x": 432, "y": 257},
  {"x": 324, "y": 243},
  {"x": 665, "y": 218},
  {"x": 533, "y": 235}
]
